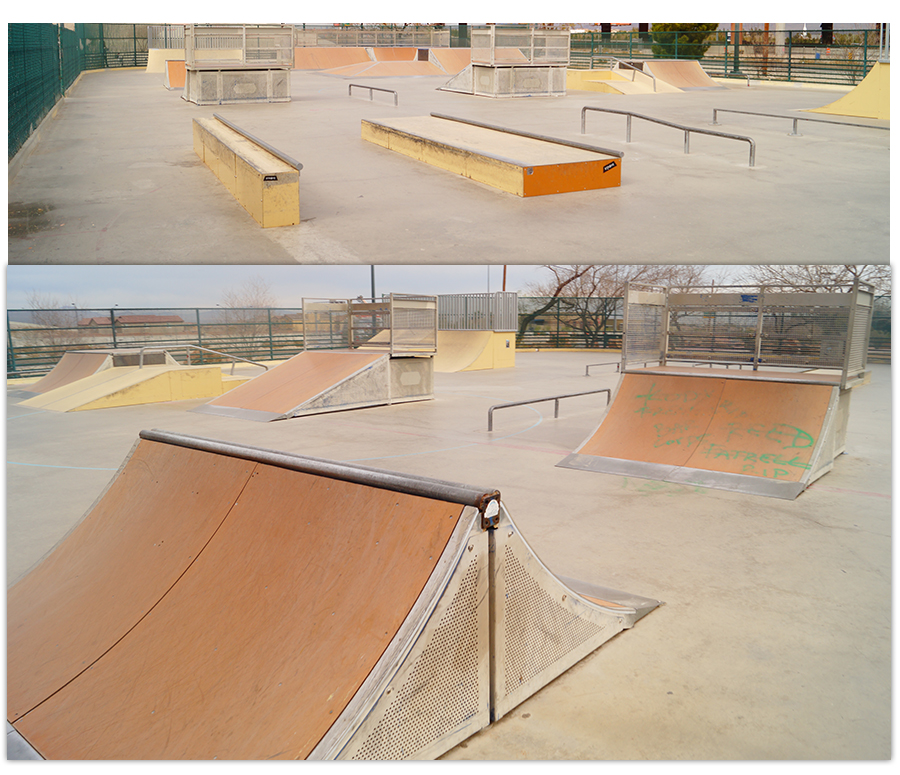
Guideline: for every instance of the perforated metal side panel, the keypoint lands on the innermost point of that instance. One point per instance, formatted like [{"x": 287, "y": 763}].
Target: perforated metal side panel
[
  {"x": 440, "y": 695},
  {"x": 540, "y": 627}
]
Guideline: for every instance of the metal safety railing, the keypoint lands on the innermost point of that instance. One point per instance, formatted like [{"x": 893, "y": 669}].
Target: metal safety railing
[
  {"x": 795, "y": 119},
  {"x": 371, "y": 90},
  {"x": 555, "y": 399},
  {"x": 189, "y": 347},
  {"x": 686, "y": 129}
]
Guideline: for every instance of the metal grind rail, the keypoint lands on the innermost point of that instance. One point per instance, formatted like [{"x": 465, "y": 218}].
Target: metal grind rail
[
  {"x": 795, "y": 119},
  {"x": 189, "y": 347},
  {"x": 555, "y": 399},
  {"x": 372, "y": 89},
  {"x": 686, "y": 129},
  {"x": 587, "y": 369},
  {"x": 261, "y": 143}
]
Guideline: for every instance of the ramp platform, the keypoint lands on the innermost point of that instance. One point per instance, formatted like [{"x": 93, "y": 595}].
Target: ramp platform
[
  {"x": 516, "y": 162},
  {"x": 766, "y": 434},
  {"x": 126, "y": 386},
  {"x": 313, "y": 382},
  {"x": 684, "y": 74},
  {"x": 224, "y": 601},
  {"x": 870, "y": 98}
]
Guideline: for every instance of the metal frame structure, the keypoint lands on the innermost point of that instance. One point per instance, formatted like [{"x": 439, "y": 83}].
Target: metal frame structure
[
  {"x": 478, "y": 311},
  {"x": 401, "y": 324},
  {"x": 763, "y": 327}
]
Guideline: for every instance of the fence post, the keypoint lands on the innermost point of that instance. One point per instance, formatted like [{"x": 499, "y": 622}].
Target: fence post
[
  {"x": 199, "y": 332},
  {"x": 271, "y": 350},
  {"x": 10, "y": 351}
]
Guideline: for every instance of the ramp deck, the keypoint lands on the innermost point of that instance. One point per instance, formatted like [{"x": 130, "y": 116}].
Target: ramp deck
[
  {"x": 223, "y": 601},
  {"x": 763, "y": 434}
]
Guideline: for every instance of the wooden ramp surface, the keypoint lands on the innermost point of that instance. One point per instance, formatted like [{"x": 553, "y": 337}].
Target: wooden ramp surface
[
  {"x": 871, "y": 98},
  {"x": 294, "y": 382},
  {"x": 72, "y": 367},
  {"x": 315, "y": 58},
  {"x": 746, "y": 427},
  {"x": 681, "y": 73},
  {"x": 204, "y": 609},
  {"x": 175, "y": 74}
]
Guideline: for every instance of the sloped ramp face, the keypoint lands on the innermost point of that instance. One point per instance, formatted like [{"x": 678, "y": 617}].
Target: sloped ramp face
[
  {"x": 750, "y": 435},
  {"x": 222, "y": 601},
  {"x": 325, "y": 381},
  {"x": 72, "y": 367},
  {"x": 684, "y": 74},
  {"x": 871, "y": 98}
]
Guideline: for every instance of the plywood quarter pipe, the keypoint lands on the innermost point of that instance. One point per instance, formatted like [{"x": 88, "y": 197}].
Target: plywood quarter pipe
[
  {"x": 764, "y": 437},
  {"x": 313, "y": 382},
  {"x": 73, "y": 366},
  {"x": 871, "y": 98},
  {"x": 288, "y": 607},
  {"x": 175, "y": 74},
  {"x": 682, "y": 73}
]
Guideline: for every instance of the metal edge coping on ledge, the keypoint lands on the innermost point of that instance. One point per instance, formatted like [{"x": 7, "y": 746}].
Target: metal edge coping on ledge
[
  {"x": 409, "y": 484},
  {"x": 533, "y": 136},
  {"x": 262, "y": 144}
]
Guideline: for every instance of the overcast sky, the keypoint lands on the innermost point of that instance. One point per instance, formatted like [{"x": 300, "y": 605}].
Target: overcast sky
[{"x": 91, "y": 286}]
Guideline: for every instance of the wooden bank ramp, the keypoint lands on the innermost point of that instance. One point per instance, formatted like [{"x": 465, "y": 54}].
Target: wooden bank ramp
[
  {"x": 313, "y": 382},
  {"x": 723, "y": 430},
  {"x": 517, "y": 162},
  {"x": 684, "y": 74},
  {"x": 224, "y": 601}
]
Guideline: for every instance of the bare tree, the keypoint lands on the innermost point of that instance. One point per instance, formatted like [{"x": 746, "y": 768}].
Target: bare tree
[
  {"x": 828, "y": 277},
  {"x": 56, "y": 321},
  {"x": 590, "y": 295},
  {"x": 246, "y": 309}
]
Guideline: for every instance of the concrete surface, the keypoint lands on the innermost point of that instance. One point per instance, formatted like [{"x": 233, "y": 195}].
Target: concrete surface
[
  {"x": 774, "y": 641},
  {"x": 113, "y": 178}
]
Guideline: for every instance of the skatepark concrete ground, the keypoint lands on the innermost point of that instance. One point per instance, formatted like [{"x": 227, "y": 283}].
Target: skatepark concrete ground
[
  {"x": 111, "y": 177},
  {"x": 774, "y": 639}
]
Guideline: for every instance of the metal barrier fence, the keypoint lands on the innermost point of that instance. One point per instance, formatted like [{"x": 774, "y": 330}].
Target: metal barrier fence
[
  {"x": 45, "y": 59},
  {"x": 835, "y": 56},
  {"x": 37, "y": 339}
]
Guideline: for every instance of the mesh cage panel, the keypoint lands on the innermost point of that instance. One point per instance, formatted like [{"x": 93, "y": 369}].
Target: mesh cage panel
[
  {"x": 642, "y": 338},
  {"x": 702, "y": 333},
  {"x": 442, "y": 690},
  {"x": 538, "y": 630},
  {"x": 805, "y": 336}
]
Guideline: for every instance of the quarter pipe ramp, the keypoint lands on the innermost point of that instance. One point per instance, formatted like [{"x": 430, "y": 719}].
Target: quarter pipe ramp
[
  {"x": 222, "y": 601},
  {"x": 871, "y": 98},
  {"x": 313, "y": 382},
  {"x": 684, "y": 74},
  {"x": 767, "y": 436}
]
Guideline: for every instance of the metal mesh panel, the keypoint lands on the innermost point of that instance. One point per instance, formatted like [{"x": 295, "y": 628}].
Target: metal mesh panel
[
  {"x": 538, "y": 630},
  {"x": 805, "y": 336},
  {"x": 702, "y": 333},
  {"x": 478, "y": 312},
  {"x": 326, "y": 324},
  {"x": 644, "y": 324},
  {"x": 442, "y": 690}
]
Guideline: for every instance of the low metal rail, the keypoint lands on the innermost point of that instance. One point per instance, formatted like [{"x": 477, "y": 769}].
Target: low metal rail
[
  {"x": 372, "y": 89},
  {"x": 555, "y": 399},
  {"x": 190, "y": 347},
  {"x": 686, "y": 129},
  {"x": 795, "y": 119},
  {"x": 587, "y": 369}
]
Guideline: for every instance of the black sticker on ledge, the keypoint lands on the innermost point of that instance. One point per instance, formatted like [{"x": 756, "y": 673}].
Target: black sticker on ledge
[
  {"x": 271, "y": 177},
  {"x": 609, "y": 166}
]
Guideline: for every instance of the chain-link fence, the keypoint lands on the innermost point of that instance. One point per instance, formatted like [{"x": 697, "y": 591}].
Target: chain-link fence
[
  {"x": 826, "y": 55},
  {"x": 45, "y": 59}
]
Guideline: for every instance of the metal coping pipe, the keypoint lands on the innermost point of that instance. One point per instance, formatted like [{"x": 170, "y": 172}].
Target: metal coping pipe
[
  {"x": 533, "y": 136},
  {"x": 795, "y": 119},
  {"x": 555, "y": 399},
  {"x": 372, "y": 477},
  {"x": 262, "y": 144},
  {"x": 686, "y": 129},
  {"x": 371, "y": 90}
]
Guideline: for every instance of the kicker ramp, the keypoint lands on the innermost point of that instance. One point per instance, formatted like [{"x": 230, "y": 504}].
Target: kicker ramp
[
  {"x": 870, "y": 98},
  {"x": 516, "y": 162},
  {"x": 313, "y": 382},
  {"x": 223, "y": 601},
  {"x": 733, "y": 432}
]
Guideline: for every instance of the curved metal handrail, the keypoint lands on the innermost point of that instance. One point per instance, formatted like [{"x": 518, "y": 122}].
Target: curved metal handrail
[
  {"x": 686, "y": 129},
  {"x": 636, "y": 69},
  {"x": 196, "y": 347}
]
